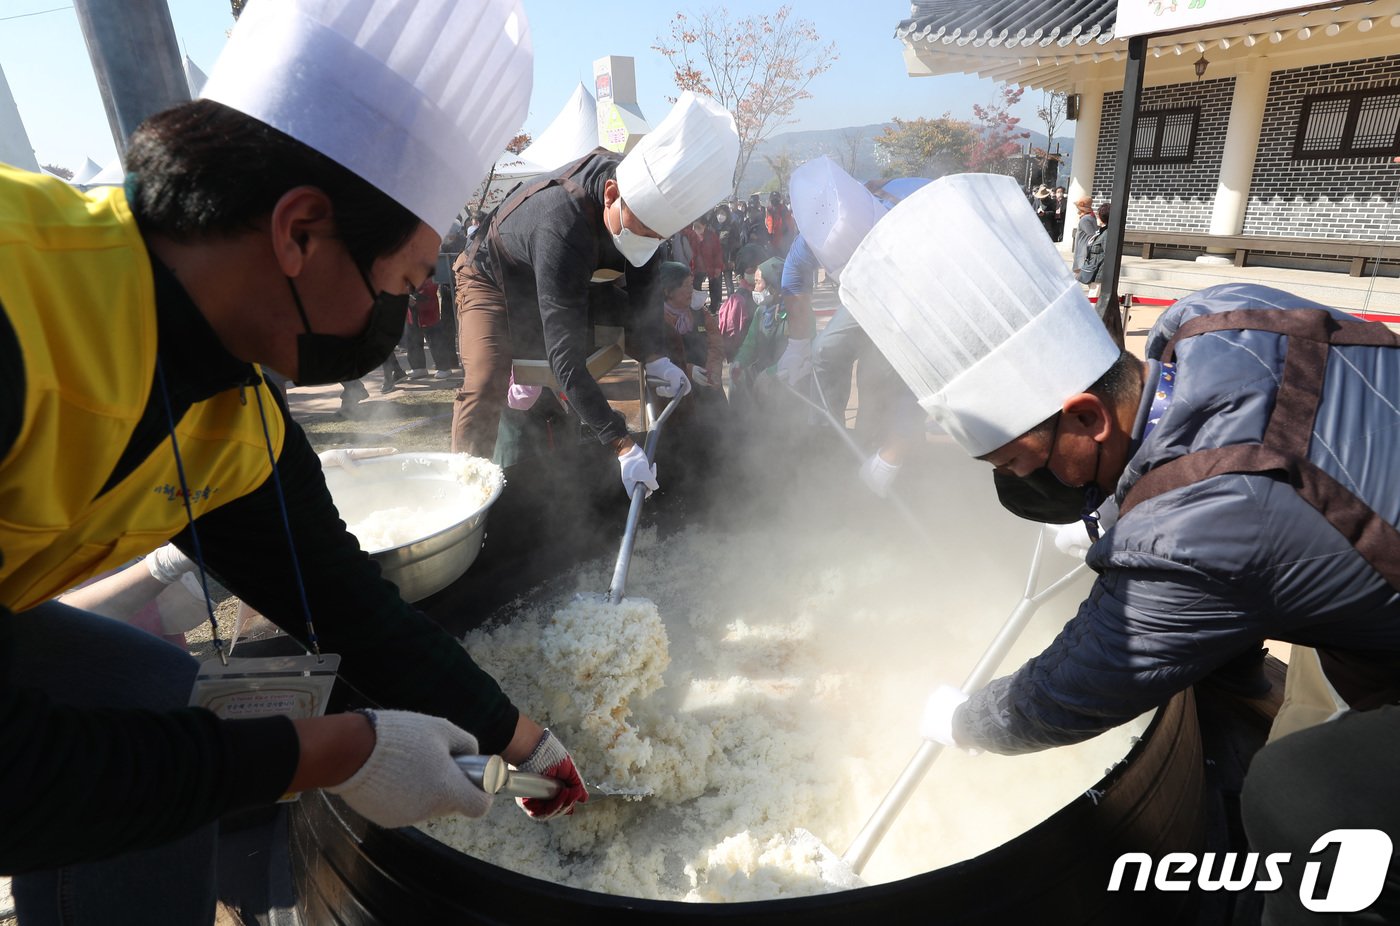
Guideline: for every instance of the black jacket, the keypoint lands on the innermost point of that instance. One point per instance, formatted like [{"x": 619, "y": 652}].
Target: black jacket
[{"x": 555, "y": 245}]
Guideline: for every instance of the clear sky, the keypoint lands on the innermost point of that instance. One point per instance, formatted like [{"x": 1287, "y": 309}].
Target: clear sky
[{"x": 46, "y": 63}]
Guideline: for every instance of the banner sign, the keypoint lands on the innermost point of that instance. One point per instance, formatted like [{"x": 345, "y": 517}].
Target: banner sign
[{"x": 1149, "y": 17}]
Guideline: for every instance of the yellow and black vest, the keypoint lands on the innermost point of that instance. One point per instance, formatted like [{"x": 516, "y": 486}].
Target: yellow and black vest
[{"x": 76, "y": 285}]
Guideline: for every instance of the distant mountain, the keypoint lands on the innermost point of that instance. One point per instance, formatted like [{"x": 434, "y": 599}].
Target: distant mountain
[{"x": 840, "y": 144}]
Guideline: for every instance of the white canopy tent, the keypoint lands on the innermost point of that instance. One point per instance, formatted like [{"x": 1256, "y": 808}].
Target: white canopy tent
[
  {"x": 111, "y": 175},
  {"x": 14, "y": 140},
  {"x": 114, "y": 174},
  {"x": 83, "y": 175},
  {"x": 572, "y": 134}
]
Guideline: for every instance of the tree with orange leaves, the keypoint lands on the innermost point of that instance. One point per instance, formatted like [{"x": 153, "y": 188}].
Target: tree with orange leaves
[
  {"x": 757, "y": 67},
  {"x": 998, "y": 140}
]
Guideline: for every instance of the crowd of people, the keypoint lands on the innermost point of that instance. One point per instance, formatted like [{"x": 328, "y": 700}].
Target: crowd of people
[{"x": 1226, "y": 485}]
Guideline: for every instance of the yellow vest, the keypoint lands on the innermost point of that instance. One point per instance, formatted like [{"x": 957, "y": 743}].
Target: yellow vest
[{"x": 76, "y": 285}]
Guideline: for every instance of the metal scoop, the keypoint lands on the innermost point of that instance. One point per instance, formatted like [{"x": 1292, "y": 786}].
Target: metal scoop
[
  {"x": 880, "y": 822},
  {"x": 639, "y": 493},
  {"x": 494, "y": 776}
]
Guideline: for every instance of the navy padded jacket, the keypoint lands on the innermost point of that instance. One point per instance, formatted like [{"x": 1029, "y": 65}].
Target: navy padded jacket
[{"x": 1198, "y": 575}]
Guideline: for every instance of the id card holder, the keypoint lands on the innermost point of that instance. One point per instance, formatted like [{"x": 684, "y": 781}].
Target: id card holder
[{"x": 245, "y": 689}]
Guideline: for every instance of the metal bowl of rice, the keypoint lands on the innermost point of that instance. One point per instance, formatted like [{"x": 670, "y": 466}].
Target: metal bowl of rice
[{"x": 420, "y": 516}]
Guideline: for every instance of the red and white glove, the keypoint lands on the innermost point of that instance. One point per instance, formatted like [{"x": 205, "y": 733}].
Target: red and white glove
[{"x": 550, "y": 758}]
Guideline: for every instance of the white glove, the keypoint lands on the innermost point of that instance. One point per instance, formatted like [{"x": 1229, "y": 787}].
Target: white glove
[
  {"x": 676, "y": 383},
  {"x": 877, "y": 474},
  {"x": 636, "y": 469},
  {"x": 937, "y": 724},
  {"x": 410, "y": 776},
  {"x": 168, "y": 564},
  {"x": 795, "y": 365},
  {"x": 1073, "y": 539},
  {"x": 700, "y": 376}
]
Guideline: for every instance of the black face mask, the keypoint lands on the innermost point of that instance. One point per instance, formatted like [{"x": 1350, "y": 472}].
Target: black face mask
[
  {"x": 330, "y": 358},
  {"x": 1043, "y": 497}
]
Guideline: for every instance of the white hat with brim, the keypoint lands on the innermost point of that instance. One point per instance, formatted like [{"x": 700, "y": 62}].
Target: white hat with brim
[
  {"x": 417, "y": 97},
  {"x": 682, "y": 167},
  {"x": 961, "y": 290},
  {"x": 833, "y": 211}
]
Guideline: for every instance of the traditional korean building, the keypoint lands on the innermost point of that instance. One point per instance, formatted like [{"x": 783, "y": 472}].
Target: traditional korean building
[{"x": 1270, "y": 142}]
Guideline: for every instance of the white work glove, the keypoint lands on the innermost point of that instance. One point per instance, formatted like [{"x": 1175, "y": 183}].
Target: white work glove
[
  {"x": 635, "y": 469},
  {"x": 877, "y": 474},
  {"x": 795, "y": 365},
  {"x": 937, "y": 724},
  {"x": 676, "y": 383},
  {"x": 410, "y": 776},
  {"x": 700, "y": 376},
  {"x": 168, "y": 565},
  {"x": 1073, "y": 539},
  {"x": 177, "y": 614}
]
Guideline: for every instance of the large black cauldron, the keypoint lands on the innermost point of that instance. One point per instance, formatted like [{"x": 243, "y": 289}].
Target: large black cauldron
[{"x": 349, "y": 872}]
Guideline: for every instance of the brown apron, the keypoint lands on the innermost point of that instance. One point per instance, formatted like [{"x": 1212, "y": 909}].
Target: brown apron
[
  {"x": 468, "y": 263},
  {"x": 485, "y": 340},
  {"x": 1364, "y": 680}
]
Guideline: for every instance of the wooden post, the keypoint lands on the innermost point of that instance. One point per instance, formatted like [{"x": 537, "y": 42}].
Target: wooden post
[{"x": 1122, "y": 179}]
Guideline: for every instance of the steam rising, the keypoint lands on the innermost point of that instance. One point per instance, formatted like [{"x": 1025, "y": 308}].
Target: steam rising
[{"x": 784, "y": 692}]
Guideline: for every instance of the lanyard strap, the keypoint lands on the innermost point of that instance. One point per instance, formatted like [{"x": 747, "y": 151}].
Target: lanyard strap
[
  {"x": 194, "y": 532},
  {"x": 189, "y": 514}
]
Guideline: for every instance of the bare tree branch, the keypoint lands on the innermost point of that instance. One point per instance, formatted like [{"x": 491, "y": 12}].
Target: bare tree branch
[{"x": 757, "y": 67}]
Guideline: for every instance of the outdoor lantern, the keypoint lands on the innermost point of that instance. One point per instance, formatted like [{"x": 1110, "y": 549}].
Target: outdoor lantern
[{"x": 1201, "y": 66}]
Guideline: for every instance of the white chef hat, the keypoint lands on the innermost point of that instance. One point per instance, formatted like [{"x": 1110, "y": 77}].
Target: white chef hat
[
  {"x": 965, "y": 294},
  {"x": 833, "y": 211},
  {"x": 682, "y": 167},
  {"x": 417, "y": 98}
]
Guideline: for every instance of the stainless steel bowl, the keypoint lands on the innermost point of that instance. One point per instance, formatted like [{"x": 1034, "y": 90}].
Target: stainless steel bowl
[{"x": 429, "y": 563}]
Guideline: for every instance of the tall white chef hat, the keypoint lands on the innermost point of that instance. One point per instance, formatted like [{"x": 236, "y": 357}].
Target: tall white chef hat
[
  {"x": 417, "y": 98},
  {"x": 682, "y": 167},
  {"x": 964, "y": 293},
  {"x": 833, "y": 211}
]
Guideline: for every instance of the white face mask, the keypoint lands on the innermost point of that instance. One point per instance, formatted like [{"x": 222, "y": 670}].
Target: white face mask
[
  {"x": 697, "y": 299},
  {"x": 638, "y": 249},
  {"x": 760, "y": 298}
]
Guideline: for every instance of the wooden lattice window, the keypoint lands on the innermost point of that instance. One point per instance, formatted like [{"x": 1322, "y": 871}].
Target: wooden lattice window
[
  {"x": 1166, "y": 136},
  {"x": 1352, "y": 124}
]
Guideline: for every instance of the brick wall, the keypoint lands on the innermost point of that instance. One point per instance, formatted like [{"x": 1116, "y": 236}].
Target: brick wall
[
  {"x": 1355, "y": 198},
  {"x": 1170, "y": 197}
]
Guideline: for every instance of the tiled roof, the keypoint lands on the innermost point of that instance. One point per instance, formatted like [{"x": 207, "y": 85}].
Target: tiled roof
[{"x": 1010, "y": 23}]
